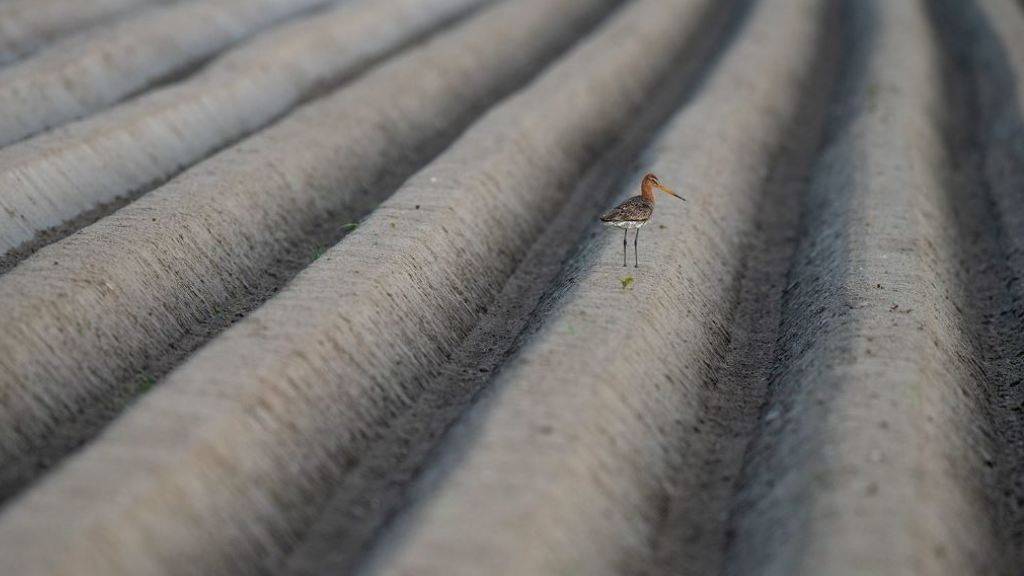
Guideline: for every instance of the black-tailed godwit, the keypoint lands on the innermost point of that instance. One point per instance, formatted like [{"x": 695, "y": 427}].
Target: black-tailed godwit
[{"x": 635, "y": 212}]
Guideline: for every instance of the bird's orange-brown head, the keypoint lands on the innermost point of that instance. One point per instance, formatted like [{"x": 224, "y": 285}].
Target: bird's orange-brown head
[{"x": 651, "y": 183}]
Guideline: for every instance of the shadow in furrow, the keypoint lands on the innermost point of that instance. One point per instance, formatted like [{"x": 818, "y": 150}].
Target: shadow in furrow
[
  {"x": 990, "y": 296},
  {"x": 15, "y": 475},
  {"x": 378, "y": 486},
  {"x": 46, "y": 237},
  {"x": 289, "y": 259},
  {"x": 813, "y": 268},
  {"x": 56, "y": 24},
  {"x": 693, "y": 534}
]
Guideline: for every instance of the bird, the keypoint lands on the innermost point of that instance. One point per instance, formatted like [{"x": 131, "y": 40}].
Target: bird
[{"x": 635, "y": 212}]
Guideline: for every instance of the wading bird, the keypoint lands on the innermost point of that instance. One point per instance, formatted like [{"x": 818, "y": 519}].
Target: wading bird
[{"x": 635, "y": 212}]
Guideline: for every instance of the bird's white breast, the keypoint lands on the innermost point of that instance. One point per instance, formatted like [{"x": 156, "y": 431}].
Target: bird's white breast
[{"x": 628, "y": 225}]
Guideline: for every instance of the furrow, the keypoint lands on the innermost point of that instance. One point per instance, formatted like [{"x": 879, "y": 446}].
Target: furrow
[
  {"x": 93, "y": 70},
  {"x": 377, "y": 487},
  {"x": 85, "y": 317},
  {"x": 58, "y": 176},
  {"x": 997, "y": 35},
  {"x": 27, "y": 25},
  {"x": 873, "y": 453},
  {"x": 240, "y": 446},
  {"x": 561, "y": 467},
  {"x": 982, "y": 43},
  {"x": 223, "y": 463},
  {"x": 693, "y": 525}
]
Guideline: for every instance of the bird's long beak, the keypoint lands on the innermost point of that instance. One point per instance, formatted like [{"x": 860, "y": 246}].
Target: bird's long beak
[{"x": 670, "y": 193}]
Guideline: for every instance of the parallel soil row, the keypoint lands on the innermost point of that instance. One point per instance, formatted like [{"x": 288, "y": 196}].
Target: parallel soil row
[
  {"x": 50, "y": 181},
  {"x": 368, "y": 496},
  {"x": 986, "y": 150},
  {"x": 439, "y": 365},
  {"x": 128, "y": 291},
  {"x": 95, "y": 69},
  {"x": 875, "y": 452},
  {"x": 330, "y": 358},
  {"x": 27, "y": 25},
  {"x": 580, "y": 433}
]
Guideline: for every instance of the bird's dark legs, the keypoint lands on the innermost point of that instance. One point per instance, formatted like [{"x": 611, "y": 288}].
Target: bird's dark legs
[
  {"x": 625, "y": 234},
  {"x": 636, "y": 256}
]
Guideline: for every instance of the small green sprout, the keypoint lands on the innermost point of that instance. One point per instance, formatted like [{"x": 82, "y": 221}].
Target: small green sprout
[
  {"x": 627, "y": 282},
  {"x": 146, "y": 382},
  {"x": 350, "y": 226}
]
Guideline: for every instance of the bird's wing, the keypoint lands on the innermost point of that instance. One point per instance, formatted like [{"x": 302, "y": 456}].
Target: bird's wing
[{"x": 632, "y": 210}]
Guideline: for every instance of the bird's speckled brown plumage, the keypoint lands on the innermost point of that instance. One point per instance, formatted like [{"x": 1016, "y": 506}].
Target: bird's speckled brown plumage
[{"x": 636, "y": 209}]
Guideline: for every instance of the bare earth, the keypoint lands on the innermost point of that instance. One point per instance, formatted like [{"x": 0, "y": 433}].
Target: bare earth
[{"x": 316, "y": 287}]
